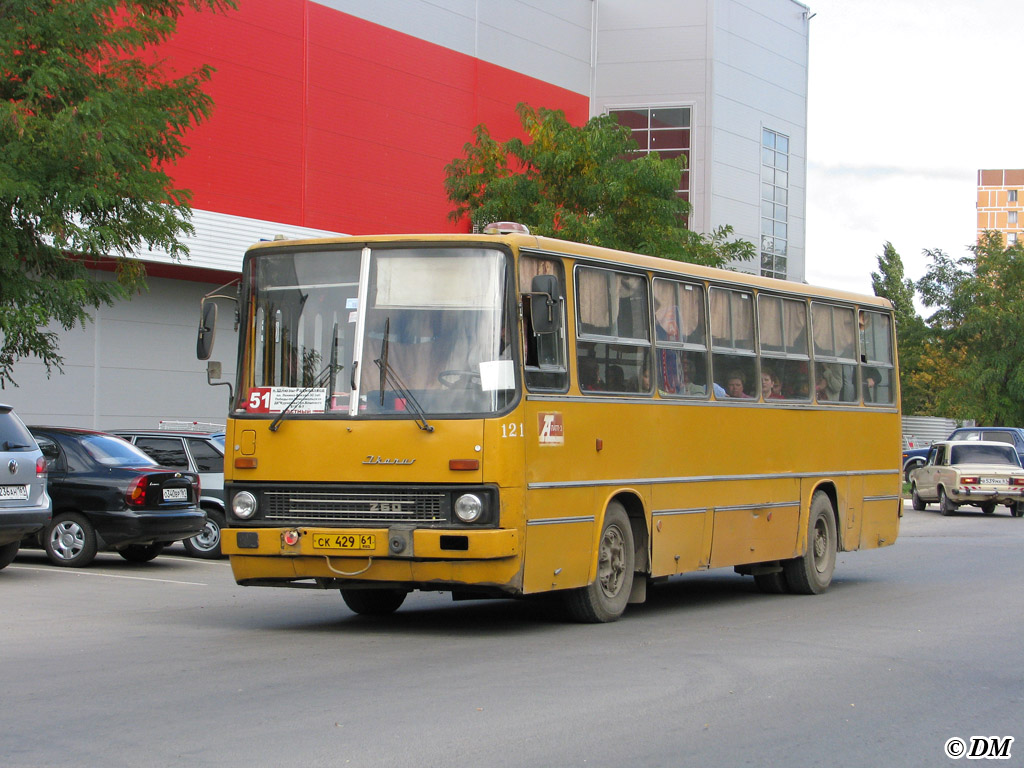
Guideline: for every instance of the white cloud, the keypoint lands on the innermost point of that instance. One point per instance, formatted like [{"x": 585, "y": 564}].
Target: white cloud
[{"x": 908, "y": 99}]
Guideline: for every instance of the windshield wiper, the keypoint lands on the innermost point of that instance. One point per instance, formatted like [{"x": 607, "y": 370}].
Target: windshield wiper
[
  {"x": 387, "y": 374},
  {"x": 9, "y": 446},
  {"x": 328, "y": 373}
]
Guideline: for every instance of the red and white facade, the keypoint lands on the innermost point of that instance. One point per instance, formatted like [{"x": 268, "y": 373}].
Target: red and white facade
[{"x": 339, "y": 116}]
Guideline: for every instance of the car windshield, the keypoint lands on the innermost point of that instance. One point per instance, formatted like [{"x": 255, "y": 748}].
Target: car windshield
[
  {"x": 430, "y": 334},
  {"x": 112, "y": 451},
  {"x": 984, "y": 454}
]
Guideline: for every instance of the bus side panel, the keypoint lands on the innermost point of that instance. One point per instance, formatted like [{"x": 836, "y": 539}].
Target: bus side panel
[
  {"x": 767, "y": 529},
  {"x": 680, "y": 542},
  {"x": 559, "y": 538},
  {"x": 881, "y": 511}
]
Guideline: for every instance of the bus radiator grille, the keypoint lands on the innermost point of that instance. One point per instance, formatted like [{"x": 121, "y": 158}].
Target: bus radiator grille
[{"x": 355, "y": 508}]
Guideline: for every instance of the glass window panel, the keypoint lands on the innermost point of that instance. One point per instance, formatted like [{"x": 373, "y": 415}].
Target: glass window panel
[
  {"x": 767, "y": 262},
  {"x": 780, "y": 212},
  {"x": 734, "y": 376},
  {"x": 768, "y": 174},
  {"x": 780, "y": 264},
  {"x": 633, "y": 118},
  {"x": 780, "y": 229},
  {"x": 768, "y": 157},
  {"x": 668, "y": 154},
  {"x": 768, "y": 138},
  {"x": 782, "y": 179},
  {"x": 781, "y": 195},
  {"x": 768, "y": 191},
  {"x": 834, "y": 382},
  {"x": 767, "y": 227},
  {"x": 782, "y": 161},
  {"x": 641, "y": 139},
  {"x": 673, "y": 117},
  {"x": 669, "y": 139},
  {"x": 782, "y": 143},
  {"x": 794, "y": 321},
  {"x": 769, "y": 314},
  {"x": 780, "y": 246},
  {"x": 682, "y": 373},
  {"x": 876, "y": 338},
  {"x": 767, "y": 208}
]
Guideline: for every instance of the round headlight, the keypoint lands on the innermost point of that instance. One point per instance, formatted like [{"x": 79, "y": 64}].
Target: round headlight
[
  {"x": 243, "y": 505},
  {"x": 469, "y": 507}
]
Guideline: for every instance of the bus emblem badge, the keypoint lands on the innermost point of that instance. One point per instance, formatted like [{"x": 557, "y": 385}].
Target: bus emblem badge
[{"x": 551, "y": 429}]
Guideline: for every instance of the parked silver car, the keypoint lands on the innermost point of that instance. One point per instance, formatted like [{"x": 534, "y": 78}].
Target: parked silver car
[{"x": 24, "y": 502}]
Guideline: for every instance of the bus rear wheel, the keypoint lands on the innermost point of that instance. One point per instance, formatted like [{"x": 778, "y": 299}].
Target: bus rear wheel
[
  {"x": 812, "y": 573},
  {"x": 606, "y": 597},
  {"x": 373, "y": 602}
]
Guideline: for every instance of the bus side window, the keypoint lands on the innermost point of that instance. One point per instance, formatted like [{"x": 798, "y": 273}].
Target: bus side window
[{"x": 543, "y": 352}]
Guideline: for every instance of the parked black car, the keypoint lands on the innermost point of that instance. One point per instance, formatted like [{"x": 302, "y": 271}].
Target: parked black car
[
  {"x": 200, "y": 452},
  {"x": 106, "y": 493},
  {"x": 24, "y": 505}
]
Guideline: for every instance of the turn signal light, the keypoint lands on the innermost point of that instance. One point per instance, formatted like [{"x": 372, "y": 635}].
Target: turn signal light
[
  {"x": 463, "y": 465},
  {"x": 136, "y": 493},
  {"x": 245, "y": 462},
  {"x": 291, "y": 538}
]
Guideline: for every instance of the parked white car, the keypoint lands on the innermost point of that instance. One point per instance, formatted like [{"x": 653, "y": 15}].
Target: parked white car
[{"x": 976, "y": 472}]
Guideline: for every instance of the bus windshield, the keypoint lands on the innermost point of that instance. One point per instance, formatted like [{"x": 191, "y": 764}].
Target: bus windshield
[{"x": 395, "y": 331}]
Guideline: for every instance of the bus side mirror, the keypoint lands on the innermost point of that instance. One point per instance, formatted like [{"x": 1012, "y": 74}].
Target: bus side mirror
[
  {"x": 213, "y": 371},
  {"x": 545, "y": 295},
  {"x": 207, "y": 330}
]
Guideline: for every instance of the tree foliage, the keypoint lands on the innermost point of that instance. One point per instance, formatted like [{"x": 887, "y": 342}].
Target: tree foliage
[
  {"x": 89, "y": 122},
  {"x": 587, "y": 184},
  {"x": 978, "y": 325}
]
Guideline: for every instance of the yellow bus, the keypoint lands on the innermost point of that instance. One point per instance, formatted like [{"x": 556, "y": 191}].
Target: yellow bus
[{"x": 506, "y": 415}]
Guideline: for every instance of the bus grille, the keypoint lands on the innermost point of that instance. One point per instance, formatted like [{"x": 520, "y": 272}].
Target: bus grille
[{"x": 356, "y": 508}]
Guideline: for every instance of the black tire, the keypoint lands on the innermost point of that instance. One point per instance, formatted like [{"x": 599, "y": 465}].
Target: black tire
[
  {"x": 811, "y": 573},
  {"x": 605, "y": 599},
  {"x": 918, "y": 503},
  {"x": 70, "y": 540},
  {"x": 207, "y": 543},
  {"x": 946, "y": 507},
  {"x": 7, "y": 553},
  {"x": 910, "y": 468},
  {"x": 989, "y": 507},
  {"x": 141, "y": 553},
  {"x": 1017, "y": 509},
  {"x": 373, "y": 602},
  {"x": 771, "y": 583}
]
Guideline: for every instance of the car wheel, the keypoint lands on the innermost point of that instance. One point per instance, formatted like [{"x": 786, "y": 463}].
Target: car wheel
[
  {"x": 911, "y": 466},
  {"x": 919, "y": 504},
  {"x": 206, "y": 544},
  {"x": 946, "y": 506},
  {"x": 1017, "y": 509},
  {"x": 812, "y": 573},
  {"x": 373, "y": 602},
  {"x": 140, "y": 553},
  {"x": 7, "y": 553},
  {"x": 605, "y": 599},
  {"x": 70, "y": 540},
  {"x": 988, "y": 507}
]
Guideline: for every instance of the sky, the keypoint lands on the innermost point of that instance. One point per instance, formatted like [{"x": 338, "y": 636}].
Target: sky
[{"x": 907, "y": 100}]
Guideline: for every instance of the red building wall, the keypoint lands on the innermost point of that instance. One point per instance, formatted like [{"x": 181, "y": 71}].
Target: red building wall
[{"x": 328, "y": 121}]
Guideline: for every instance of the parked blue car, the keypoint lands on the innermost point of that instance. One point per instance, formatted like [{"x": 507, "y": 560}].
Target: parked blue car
[{"x": 917, "y": 457}]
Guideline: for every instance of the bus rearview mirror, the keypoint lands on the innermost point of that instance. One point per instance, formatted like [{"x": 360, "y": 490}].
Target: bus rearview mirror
[
  {"x": 207, "y": 330},
  {"x": 544, "y": 298}
]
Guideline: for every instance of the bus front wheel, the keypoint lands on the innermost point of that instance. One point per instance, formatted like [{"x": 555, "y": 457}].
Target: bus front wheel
[
  {"x": 373, "y": 602},
  {"x": 812, "y": 573},
  {"x": 606, "y": 597}
]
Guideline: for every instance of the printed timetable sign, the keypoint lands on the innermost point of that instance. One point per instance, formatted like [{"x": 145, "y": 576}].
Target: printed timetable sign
[{"x": 295, "y": 399}]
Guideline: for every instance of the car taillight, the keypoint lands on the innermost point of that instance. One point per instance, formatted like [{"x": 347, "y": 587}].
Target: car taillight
[
  {"x": 40, "y": 467},
  {"x": 1017, "y": 481},
  {"x": 136, "y": 495},
  {"x": 195, "y": 488},
  {"x": 969, "y": 481}
]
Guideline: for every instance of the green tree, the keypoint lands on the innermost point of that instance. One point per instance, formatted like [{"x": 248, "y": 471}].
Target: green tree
[
  {"x": 978, "y": 325},
  {"x": 89, "y": 122},
  {"x": 912, "y": 332},
  {"x": 585, "y": 183}
]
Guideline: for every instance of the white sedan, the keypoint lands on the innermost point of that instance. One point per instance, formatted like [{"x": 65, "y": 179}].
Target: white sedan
[{"x": 981, "y": 473}]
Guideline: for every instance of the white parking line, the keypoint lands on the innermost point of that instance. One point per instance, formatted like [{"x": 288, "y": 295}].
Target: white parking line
[{"x": 105, "y": 575}]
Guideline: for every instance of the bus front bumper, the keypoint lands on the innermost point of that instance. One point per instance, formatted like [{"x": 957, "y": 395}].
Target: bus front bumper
[{"x": 427, "y": 556}]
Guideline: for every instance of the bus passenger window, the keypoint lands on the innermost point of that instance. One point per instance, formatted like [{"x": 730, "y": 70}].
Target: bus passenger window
[{"x": 543, "y": 353}]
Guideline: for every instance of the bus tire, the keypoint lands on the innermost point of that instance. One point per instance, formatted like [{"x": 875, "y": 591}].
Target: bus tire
[
  {"x": 373, "y": 602},
  {"x": 811, "y": 573},
  {"x": 605, "y": 598}
]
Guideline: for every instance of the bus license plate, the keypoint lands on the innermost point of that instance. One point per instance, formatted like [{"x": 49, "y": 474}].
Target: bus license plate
[
  {"x": 175, "y": 494},
  {"x": 344, "y": 541},
  {"x": 14, "y": 492}
]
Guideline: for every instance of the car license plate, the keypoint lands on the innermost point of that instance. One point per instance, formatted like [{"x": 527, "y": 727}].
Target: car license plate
[
  {"x": 344, "y": 541},
  {"x": 175, "y": 494},
  {"x": 14, "y": 492},
  {"x": 993, "y": 481}
]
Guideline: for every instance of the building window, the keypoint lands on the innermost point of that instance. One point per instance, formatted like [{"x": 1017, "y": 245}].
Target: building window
[
  {"x": 774, "y": 203},
  {"x": 665, "y": 130},
  {"x": 1012, "y": 196},
  {"x": 1012, "y": 217},
  {"x": 1011, "y": 238}
]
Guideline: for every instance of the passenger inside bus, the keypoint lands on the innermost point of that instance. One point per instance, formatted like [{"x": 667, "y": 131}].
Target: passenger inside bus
[{"x": 734, "y": 386}]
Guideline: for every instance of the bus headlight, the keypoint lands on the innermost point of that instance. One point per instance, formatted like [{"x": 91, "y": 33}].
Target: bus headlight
[
  {"x": 469, "y": 508},
  {"x": 243, "y": 505}
]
